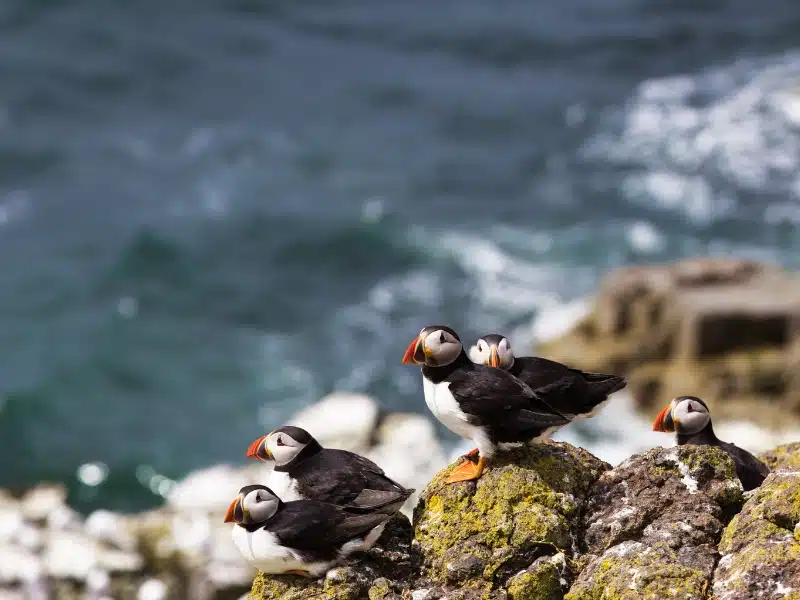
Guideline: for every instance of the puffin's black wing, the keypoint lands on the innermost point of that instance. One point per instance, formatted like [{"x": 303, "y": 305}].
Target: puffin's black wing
[
  {"x": 751, "y": 471},
  {"x": 313, "y": 525},
  {"x": 369, "y": 500},
  {"x": 488, "y": 395},
  {"x": 570, "y": 390},
  {"x": 340, "y": 477}
]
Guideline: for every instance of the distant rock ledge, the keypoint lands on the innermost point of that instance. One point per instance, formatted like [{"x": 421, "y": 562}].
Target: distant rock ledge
[
  {"x": 727, "y": 330},
  {"x": 552, "y": 522}
]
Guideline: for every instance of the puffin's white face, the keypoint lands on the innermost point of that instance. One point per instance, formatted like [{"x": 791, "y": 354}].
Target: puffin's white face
[
  {"x": 254, "y": 504},
  {"x": 435, "y": 346},
  {"x": 493, "y": 351},
  {"x": 281, "y": 446},
  {"x": 684, "y": 415},
  {"x": 689, "y": 415}
]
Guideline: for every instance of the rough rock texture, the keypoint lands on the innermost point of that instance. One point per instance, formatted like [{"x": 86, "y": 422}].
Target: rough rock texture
[
  {"x": 478, "y": 535},
  {"x": 506, "y": 536},
  {"x": 554, "y": 523},
  {"x": 723, "y": 328},
  {"x": 653, "y": 524},
  {"x": 761, "y": 546},
  {"x": 786, "y": 455}
]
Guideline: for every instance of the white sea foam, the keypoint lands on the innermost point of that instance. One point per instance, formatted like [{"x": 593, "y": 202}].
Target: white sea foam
[{"x": 700, "y": 140}]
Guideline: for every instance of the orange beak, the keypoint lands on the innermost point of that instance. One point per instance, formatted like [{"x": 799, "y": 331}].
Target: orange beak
[
  {"x": 414, "y": 353},
  {"x": 259, "y": 450},
  {"x": 494, "y": 357},
  {"x": 664, "y": 421},
  {"x": 235, "y": 514}
]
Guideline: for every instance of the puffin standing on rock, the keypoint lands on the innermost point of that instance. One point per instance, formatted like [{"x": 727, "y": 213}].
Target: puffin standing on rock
[
  {"x": 305, "y": 537},
  {"x": 570, "y": 390},
  {"x": 306, "y": 470},
  {"x": 488, "y": 406},
  {"x": 690, "y": 419}
]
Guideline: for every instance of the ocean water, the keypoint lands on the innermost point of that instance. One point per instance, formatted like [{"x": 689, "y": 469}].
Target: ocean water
[{"x": 214, "y": 212}]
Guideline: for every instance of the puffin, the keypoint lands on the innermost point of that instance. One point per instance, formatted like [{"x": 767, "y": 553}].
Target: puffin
[
  {"x": 302, "y": 537},
  {"x": 304, "y": 470},
  {"x": 572, "y": 391},
  {"x": 689, "y": 418},
  {"x": 479, "y": 403}
]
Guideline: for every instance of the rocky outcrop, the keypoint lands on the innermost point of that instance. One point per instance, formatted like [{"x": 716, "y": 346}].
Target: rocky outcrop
[
  {"x": 653, "y": 525},
  {"x": 761, "y": 546},
  {"x": 723, "y": 328},
  {"x": 552, "y": 522}
]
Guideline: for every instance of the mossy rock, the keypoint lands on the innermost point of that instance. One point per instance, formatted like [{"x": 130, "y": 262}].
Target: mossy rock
[
  {"x": 760, "y": 547},
  {"x": 653, "y": 524},
  {"x": 477, "y": 535},
  {"x": 787, "y": 455}
]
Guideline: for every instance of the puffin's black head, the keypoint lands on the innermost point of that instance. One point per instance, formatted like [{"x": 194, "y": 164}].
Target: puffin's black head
[
  {"x": 492, "y": 350},
  {"x": 435, "y": 346},
  {"x": 254, "y": 504},
  {"x": 684, "y": 415},
  {"x": 283, "y": 445}
]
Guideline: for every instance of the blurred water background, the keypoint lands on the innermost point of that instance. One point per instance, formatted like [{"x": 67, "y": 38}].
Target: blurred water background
[{"x": 214, "y": 212}]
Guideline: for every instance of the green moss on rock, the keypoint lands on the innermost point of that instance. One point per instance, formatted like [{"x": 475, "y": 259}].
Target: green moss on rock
[
  {"x": 784, "y": 456},
  {"x": 526, "y": 504},
  {"x": 541, "y": 581},
  {"x": 761, "y": 555}
]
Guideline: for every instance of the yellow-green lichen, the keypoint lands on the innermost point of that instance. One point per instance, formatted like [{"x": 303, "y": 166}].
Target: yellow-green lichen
[
  {"x": 651, "y": 574},
  {"x": 526, "y": 499},
  {"x": 787, "y": 455},
  {"x": 539, "y": 584}
]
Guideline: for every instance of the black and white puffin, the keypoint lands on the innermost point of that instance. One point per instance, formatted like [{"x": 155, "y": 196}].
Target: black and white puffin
[
  {"x": 690, "y": 419},
  {"x": 488, "y": 406},
  {"x": 304, "y": 537},
  {"x": 569, "y": 390},
  {"x": 304, "y": 470}
]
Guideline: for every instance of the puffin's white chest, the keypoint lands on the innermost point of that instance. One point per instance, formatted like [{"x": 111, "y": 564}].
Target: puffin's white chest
[
  {"x": 445, "y": 408},
  {"x": 262, "y": 550},
  {"x": 284, "y": 486}
]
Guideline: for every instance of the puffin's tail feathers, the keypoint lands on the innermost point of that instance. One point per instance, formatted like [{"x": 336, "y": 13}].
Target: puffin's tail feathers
[{"x": 379, "y": 500}]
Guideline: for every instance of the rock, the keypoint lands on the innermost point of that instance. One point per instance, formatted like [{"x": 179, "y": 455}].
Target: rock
[
  {"x": 213, "y": 489},
  {"x": 11, "y": 522},
  {"x": 109, "y": 527},
  {"x": 17, "y": 565},
  {"x": 40, "y": 502},
  {"x": 722, "y": 328},
  {"x": 760, "y": 547},
  {"x": 653, "y": 523},
  {"x": 526, "y": 505},
  {"x": 784, "y": 456},
  {"x": 380, "y": 573},
  {"x": 341, "y": 420},
  {"x": 543, "y": 580},
  {"x": 70, "y": 555}
]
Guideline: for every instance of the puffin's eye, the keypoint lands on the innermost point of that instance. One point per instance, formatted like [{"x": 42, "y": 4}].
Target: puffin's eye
[
  {"x": 689, "y": 407},
  {"x": 280, "y": 441},
  {"x": 441, "y": 337}
]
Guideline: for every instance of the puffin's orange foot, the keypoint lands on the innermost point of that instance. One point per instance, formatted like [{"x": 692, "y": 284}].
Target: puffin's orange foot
[
  {"x": 472, "y": 454},
  {"x": 298, "y": 572},
  {"x": 467, "y": 471}
]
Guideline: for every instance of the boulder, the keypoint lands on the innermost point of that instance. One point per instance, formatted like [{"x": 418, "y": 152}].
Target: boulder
[
  {"x": 527, "y": 504},
  {"x": 341, "y": 420},
  {"x": 761, "y": 546},
  {"x": 720, "y": 328},
  {"x": 653, "y": 524}
]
